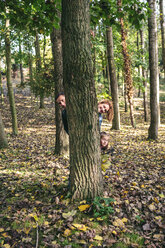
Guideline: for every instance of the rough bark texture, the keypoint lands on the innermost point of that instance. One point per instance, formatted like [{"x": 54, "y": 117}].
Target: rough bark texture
[
  {"x": 3, "y": 139},
  {"x": 145, "y": 103},
  {"x": 154, "y": 77},
  {"x": 38, "y": 68},
  {"x": 85, "y": 169},
  {"x": 162, "y": 23},
  {"x": 127, "y": 67},
  {"x": 9, "y": 83},
  {"x": 62, "y": 139},
  {"x": 113, "y": 79}
]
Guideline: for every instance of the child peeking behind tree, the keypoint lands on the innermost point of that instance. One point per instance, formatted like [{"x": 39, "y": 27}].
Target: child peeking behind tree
[{"x": 105, "y": 152}]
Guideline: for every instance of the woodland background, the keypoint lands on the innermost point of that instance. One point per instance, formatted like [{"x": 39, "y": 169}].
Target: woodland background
[{"x": 35, "y": 205}]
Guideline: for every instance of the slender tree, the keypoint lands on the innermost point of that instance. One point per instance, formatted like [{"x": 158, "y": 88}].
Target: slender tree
[
  {"x": 145, "y": 103},
  {"x": 38, "y": 69},
  {"x": 20, "y": 58},
  {"x": 154, "y": 76},
  {"x": 113, "y": 79},
  {"x": 85, "y": 170},
  {"x": 3, "y": 139},
  {"x": 62, "y": 140},
  {"x": 8, "y": 75},
  {"x": 162, "y": 23},
  {"x": 127, "y": 67}
]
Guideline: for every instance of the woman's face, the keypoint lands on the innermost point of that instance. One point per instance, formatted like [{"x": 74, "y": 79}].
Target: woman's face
[{"x": 103, "y": 107}]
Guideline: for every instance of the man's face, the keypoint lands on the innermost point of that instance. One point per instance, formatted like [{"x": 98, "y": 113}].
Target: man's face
[{"x": 61, "y": 101}]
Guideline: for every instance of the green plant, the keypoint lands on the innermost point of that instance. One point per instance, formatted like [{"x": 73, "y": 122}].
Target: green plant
[{"x": 102, "y": 207}]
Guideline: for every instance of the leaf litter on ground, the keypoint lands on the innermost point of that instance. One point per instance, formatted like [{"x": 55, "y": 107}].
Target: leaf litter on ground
[{"x": 34, "y": 204}]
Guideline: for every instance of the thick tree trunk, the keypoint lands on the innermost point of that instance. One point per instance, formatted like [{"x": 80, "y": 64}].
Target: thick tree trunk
[
  {"x": 145, "y": 103},
  {"x": 113, "y": 79},
  {"x": 154, "y": 76},
  {"x": 62, "y": 139},
  {"x": 162, "y": 23},
  {"x": 85, "y": 170},
  {"x": 127, "y": 68},
  {"x": 9, "y": 83},
  {"x": 38, "y": 68},
  {"x": 3, "y": 139}
]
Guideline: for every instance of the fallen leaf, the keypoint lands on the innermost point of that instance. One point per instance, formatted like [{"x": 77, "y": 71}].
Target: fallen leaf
[
  {"x": 97, "y": 237},
  {"x": 80, "y": 227},
  {"x": 83, "y": 207}
]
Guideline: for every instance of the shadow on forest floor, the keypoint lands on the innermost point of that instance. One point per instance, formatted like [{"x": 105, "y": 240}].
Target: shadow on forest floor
[{"x": 35, "y": 210}]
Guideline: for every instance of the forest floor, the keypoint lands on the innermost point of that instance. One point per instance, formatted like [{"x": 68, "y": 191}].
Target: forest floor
[{"x": 35, "y": 209}]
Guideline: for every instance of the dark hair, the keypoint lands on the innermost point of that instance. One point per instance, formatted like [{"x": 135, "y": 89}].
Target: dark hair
[{"x": 59, "y": 94}]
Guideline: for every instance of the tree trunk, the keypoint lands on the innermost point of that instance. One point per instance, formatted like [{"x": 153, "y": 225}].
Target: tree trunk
[
  {"x": 20, "y": 65},
  {"x": 3, "y": 139},
  {"x": 30, "y": 64},
  {"x": 162, "y": 23},
  {"x": 113, "y": 79},
  {"x": 154, "y": 76},
  {"x": 145, "y": 104},
  {"x": 62, "y": 139},
  {"x": 127, "y": 67},
  {"x": 85, "y": 170},
  {"x": 9, "y": 83},
  {"x": 1, "y": 86},
  {"x": 139, "y": 67},
  {"x": 38, "y": 69}
]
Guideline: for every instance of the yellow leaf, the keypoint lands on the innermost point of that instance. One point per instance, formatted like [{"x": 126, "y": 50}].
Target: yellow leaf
[
  {"x": 97, "y": 237},
  {"x": 6, "y": 246},
  {"x": 118, "y": 223},
  {"x": 80, "y": 227},
  {"x": 83, "y": 202},
  {"x": 124, "y": 220},
  {"x": 83, "y": 207},
  {"x": 1, "y": 230},
  {"x": 134, "y": 184},
  {"x": 27, "y": 230},
  {"x": 142, "y": 186},
  {"x": 54, "y": 242},
  {"x": 99, "y": 219},
  {"x": 114, "y": 232},
  {"x": 46, "y": 223},
  {"x": 67, "y": 232},
  {"x": 118, "y": 173},
  {"x": 67, "y": 215},
  {"x": 158, "y": 217},
  {"x": 5, "y": 235},
  {"x": 152, "y": 207}
]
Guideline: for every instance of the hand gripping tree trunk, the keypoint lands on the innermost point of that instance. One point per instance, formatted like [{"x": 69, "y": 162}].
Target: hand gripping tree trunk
[
  {"x": 154, "y": 76},
  {"x": 85, "y": 170},
  {"x": 3, "y": 140},
  {"x": 127, "y": 68},
  {"x": 62, "y": 139},
  {"x": 8, "y": 76},
  {"x": 113, "y": 79}
]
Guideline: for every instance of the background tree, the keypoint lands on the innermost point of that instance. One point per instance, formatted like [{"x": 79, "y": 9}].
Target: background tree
[
  {"x": 8, "y": 76},
  {"x": 85, "y": 169},
  {"x": 3, "y": 139},
  {"x": 162, "y": 23},
  {"x": 154, "y": 75}
]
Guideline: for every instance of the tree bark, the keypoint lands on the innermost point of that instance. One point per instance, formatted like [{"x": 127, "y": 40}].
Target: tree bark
[
  {"x": 127, "y": 68},
  {"x": 62, "y": 139},
  {"x": 154, "y": 76},
  {"x": 38, "y": 69},
  {"x": 20, "y": 65},
  {"x": 85, "y": 170},
  {"x": 162, "y": 23},
  {"x": 113, "y": 79},
  {"x": 9, "y": 83},
  {"x": 1, "y": 86},
  {"x": 3, "y": 139},
  {"x": 145, "y": 103}
]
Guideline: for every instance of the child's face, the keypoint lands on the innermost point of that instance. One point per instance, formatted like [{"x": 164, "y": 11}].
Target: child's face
[{"x": 103, "y": 142}]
